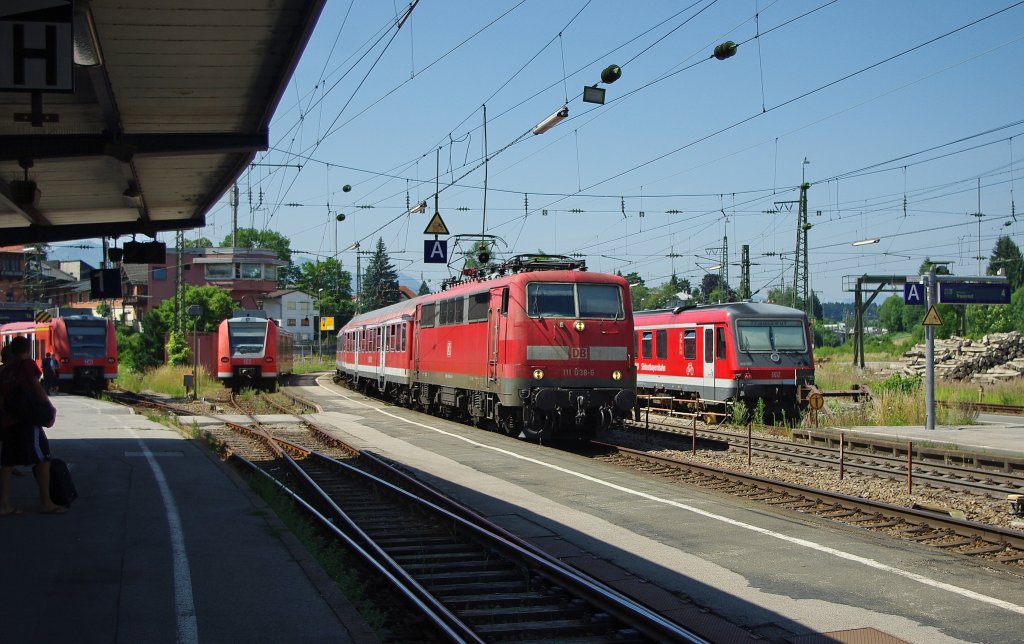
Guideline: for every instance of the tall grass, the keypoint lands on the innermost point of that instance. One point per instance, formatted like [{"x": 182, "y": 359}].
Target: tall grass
[
  {"x": 313, "y": 364},
  {"x": 164, "y": 379}
]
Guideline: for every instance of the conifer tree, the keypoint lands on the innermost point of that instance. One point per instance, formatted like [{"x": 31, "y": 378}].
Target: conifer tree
[{"x": 380, "y": 281}]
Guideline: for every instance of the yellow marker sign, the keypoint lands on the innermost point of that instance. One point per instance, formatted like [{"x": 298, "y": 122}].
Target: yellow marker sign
[
  {"x": 436, "y": 226},
  {"x": 327, "y": 323},
  {"x": 816, "y": 401},
  {"x": 43, "y": 316},
  {"x": 932, "y": 319}
]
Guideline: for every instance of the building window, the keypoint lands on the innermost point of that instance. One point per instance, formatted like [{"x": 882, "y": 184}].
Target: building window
[
  {"x": 218, "y": 271},
  {"x": 159, "y": 274},
  {"x": 291, "y": 321},
  {"x": 305, "y": 321},
  {"x": 303, "y": 306},
  {"x": 291, "y": 306},
  {"x": 269, "y": 272},
  {"x": 252, "y": 271}
]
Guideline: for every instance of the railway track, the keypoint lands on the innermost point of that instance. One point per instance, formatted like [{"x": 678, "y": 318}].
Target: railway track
[
  {"x": 981, "y": 407},
  {"x": 865, "y": 458},
  {"x": 921, "y": 525},
  {"x": 456, "y": 574}
]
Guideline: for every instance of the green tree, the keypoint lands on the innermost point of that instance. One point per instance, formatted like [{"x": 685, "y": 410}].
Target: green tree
[
  {"x": 380, "y": 281},
  {"x": 201, "y": 242},
  {"x": 890, "y": 314},
  {"x": 103, "y": 310},
  {"x": 424, "y": 289},
  {"x": 1006, "y": 255},
  {"x": 332, "y": 287},
  {"x": 148, "y": 349},
  {"x": 178, "y": 351},
  {"x": 638, "y": 292}
]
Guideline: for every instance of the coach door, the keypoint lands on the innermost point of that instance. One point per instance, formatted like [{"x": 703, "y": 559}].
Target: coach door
[
  {"x": 708, "y": 385},
  {"x": 497, "y": 320},
  {"x": 385, "y": 335}
]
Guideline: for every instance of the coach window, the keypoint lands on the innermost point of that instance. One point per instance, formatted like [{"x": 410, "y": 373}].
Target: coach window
[
  {"x": 709, "y": 345},
  {"x": 478, "y": 307},
  {"x": 504, "y": 301},
  {"x": 427, "y": 316},
  {"x": 645, "y": 344},
  {"x": 661, "y": 344},
  {"x": 720, "y": 342},
  {"x": 690, "y": 344},
  {"x": 403, "y": 338}
]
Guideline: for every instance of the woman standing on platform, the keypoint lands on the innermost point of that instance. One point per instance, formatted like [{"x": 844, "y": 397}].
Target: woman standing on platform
[{"x": 24, "y": 441}]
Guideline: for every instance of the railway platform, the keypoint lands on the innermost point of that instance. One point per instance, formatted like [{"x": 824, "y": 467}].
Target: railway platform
[
  {"x": 991, "y": 438},
  {"x": 164, "y": 544}
]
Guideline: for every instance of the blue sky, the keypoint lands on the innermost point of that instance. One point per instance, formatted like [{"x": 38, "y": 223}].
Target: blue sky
[{"x": 873, "y": 94}]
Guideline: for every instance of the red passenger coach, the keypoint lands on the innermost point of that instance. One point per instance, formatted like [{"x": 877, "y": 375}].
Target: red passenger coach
[
  {"x": 711, "y": 355},
  {"x": 252, "y": 352},
  {"x": 541, "y": 348},
  {"x": 85, "y": 347}
]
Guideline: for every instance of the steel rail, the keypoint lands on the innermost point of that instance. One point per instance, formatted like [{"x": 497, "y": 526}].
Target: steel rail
[{"x": 969, "y": 529}]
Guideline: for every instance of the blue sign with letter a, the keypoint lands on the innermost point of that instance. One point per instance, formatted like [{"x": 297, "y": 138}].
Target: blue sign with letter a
[
  {"x": 435, "y": 251},
  {"x": 913, "y": 293}
]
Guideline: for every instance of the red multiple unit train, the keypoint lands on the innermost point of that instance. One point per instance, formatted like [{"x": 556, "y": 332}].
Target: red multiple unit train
[
  {"x": 252, "y": 352},
  {"x": 84, "y": 345},
  {"x": 543, "y": 349},
  {"x": 727, "y": 352}
]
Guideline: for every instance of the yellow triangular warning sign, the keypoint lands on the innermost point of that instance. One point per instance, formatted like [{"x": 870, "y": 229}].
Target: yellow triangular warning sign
[
  {"x": 932, "y": 318},
  {"x": 436, "y": 226}
]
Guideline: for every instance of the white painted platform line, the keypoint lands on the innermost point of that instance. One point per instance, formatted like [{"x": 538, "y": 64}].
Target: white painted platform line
[
  {"x": 927, "y": 581},
  {"x": 184, "y": 604}
]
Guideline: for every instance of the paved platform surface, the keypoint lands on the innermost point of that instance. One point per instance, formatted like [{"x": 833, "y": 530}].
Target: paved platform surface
[
  {"x": 164, "y": 544},
  {"x": 991, "y": 434}
]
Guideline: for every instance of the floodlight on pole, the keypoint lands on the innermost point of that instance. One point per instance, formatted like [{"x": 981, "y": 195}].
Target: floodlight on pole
[
  {"x": 560, "y": 115},
  {"x": 865, "y": 242}
]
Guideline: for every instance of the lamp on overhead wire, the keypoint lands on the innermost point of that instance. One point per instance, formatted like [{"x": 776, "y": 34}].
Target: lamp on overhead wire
[{"x": 560, "y": 115}]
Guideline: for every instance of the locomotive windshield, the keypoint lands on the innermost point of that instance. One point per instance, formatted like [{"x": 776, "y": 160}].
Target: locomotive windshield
[
  {"x": 549, "y": 299},
  {"x": 88, "y": 339},
  {"x": 771, "y": 336},
  {"x": 247, "y": 338}
]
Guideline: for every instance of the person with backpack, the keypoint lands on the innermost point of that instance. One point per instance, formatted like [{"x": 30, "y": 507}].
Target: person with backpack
[
  {"x": 50, "y": 369},
  {"x": 26, "y": 407}
]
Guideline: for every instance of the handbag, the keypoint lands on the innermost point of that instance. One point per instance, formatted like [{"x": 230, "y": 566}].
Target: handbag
[{"x": 62, "y": 488}]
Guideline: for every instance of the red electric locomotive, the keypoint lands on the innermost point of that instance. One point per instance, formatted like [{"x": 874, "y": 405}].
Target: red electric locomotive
[
  {"x": 84, "y": 345},
  {"x": 252, "y": 352},
  {"x": 542, "y": 348},
  {"x": 711, "y": 355}
]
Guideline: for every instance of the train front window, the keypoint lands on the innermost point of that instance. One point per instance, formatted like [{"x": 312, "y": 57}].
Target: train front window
[
  {"x": 247, "y": 338},
  {"x": 771, "y": 335},
  {"x": 600, "y": 301},
  {"x": 88, "y": 339},
  {"x": 548, "y": 299}
]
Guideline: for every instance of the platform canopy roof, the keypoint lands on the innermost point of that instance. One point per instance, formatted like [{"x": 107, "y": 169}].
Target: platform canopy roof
[{"x": 165, "y": 104}]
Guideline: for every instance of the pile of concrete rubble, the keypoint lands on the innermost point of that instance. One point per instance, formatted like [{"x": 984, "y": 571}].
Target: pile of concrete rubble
[{"x": 994, "y": 358}]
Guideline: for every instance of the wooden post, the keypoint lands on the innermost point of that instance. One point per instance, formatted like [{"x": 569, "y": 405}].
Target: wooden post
[
  {"x": 910, "y": 466},
  {"x": 693, "y": 435},
  {"x": 841, "y": 443},
  {"x": 748, "y": 445}
]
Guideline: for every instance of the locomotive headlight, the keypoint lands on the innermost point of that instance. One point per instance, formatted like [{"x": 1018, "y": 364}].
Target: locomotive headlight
[
  {"x": 579, "y": 326},
  {"x": 538, "y": 374},
  {"x": 616, "y": 375}
]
